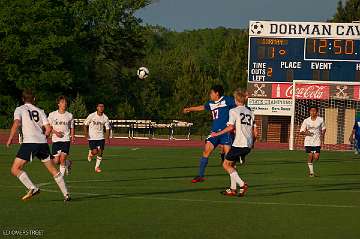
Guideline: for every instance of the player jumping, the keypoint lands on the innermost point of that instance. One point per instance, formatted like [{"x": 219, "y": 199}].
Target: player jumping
[
  {"x": 35, "y": 129},
  {"x": 94, "y": 131},
  {"x": 313, "y": 128},
  {"x": 62, "y": 124},
  {"x": 355, "y": 135},
  {"x": 241, "y": 119},
  {"x": 219, "y": 105}
]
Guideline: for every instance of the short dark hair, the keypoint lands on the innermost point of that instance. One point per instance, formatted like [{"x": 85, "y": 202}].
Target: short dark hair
[
  {"x": 28, "y": 96},
  {"x": 314, "y": 107},
  {"x": 60, "y": 98},
  {"x": 100, "y": 103},
  {"x": 218, "y": 89}
]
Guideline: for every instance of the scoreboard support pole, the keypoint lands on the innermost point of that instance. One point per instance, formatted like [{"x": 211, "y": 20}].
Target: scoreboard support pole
[{"x": 292, "y": 121}]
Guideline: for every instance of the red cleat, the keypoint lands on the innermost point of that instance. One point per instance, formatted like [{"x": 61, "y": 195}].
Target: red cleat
[
  {"x": 198, "y": 179},
  {"x": 243, "y": 190},
  {"x": 229, "y": 192},
  {"x": 98, "y": 170}
]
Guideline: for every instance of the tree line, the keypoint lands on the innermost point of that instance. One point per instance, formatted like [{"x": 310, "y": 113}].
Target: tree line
[{"x": 90, "y": 51}]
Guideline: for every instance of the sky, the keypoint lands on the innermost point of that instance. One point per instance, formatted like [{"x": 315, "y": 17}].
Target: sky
[{"x": 180, "y": 15}]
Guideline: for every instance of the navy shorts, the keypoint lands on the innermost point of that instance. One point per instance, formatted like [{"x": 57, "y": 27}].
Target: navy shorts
[
  {"x": 312, "y": 149},
  {"x": 60, "y": 147},
  {"x": 28, "y": 150},
  {"x": 95, "y": 144},
  {"x": 225, "y": 139},
  {"x": 235, "y": 154}
]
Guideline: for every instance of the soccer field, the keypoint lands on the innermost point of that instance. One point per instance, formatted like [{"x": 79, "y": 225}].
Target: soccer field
[{"x": 147, "y": 193}]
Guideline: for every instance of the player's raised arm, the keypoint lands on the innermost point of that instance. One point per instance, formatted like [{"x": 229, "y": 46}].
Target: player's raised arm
[
  {"x": 193, "y": 109},
  {"x": 16, "y": 124}
]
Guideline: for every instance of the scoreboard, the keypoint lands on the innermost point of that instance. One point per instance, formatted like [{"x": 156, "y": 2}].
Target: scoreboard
[{"x": 281, "y": 52}]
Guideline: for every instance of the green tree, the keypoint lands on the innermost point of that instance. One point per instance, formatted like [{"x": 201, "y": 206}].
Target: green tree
[
  {"x": 348, "y": 13},
  {"x": 78, "y": 108}
]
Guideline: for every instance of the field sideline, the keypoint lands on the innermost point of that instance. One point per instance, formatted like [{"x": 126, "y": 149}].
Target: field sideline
[{"x": 146, "y": 192}]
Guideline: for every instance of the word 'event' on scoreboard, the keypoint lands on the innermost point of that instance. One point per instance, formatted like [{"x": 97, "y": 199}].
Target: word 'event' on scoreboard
[{"x": 287, "y": 51}]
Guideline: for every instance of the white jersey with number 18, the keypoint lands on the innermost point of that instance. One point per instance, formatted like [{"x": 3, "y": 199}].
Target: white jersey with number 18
[
  {"x": 244, "y": 121},
  {"x": 32, "y": 120}
]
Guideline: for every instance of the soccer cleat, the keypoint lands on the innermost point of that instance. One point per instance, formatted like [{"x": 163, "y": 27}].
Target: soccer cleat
[
  {"x": 313, "y": 175},
  {"x": 31, "y": 193},
  {"x": 243, "y": 190},
  {"x": 229, "y": 192},
  {"x": 98, "y": 170},
  {"x": 89, "y": 156},
  {"x": 198, "y": 179},
  {"x": 68, "y": 164},
  {"x": 67, "y": 198}
]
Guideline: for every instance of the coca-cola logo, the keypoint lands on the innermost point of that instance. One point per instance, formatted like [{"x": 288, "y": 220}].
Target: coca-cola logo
[
  {"x": 308, "y": 92},
  {"x": 302, "y": 91}
]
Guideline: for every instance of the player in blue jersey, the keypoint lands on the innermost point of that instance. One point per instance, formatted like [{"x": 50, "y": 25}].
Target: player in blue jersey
[
  {"x": 355, "y": 135},
  {"x": 219, "y": 105}
]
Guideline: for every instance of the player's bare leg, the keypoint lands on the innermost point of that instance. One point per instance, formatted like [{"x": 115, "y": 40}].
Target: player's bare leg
[
  {"x": 58, "y": 177},
  {"x": 208, "y": 149},
  {"x": 98, "y": 160},
  {"x": 17, "y": 171},
  {"x": 234, "y": 180}
]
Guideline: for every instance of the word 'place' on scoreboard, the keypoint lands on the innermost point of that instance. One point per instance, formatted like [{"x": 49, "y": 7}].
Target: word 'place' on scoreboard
[{"x": 281, "y": 52}]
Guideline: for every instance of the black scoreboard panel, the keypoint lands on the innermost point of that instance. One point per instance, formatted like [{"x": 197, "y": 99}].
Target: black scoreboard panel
[{"x": 277, "y": 59}]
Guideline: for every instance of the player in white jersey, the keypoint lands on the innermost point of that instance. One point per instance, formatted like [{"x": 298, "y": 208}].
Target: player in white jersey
[
  {"x": 94, "y": 131},
  {"x": 35, "y": 130},
  {"x": 241, "y": 119},
  {"x": 62, "y": 123},
  {"x": 313, "y": 128}
]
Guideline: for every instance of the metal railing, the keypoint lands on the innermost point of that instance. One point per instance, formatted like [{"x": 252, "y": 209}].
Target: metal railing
[{"x": 145, "y": 129}]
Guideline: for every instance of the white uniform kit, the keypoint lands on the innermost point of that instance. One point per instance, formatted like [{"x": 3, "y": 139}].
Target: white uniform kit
[
  {"x": 34, "y": 142},
  {"x": 96, "y": 125},
  {"x": 312, "y": 142},
  {"x": 244, "y": 121},
  {"x": 63, "y": 123}
]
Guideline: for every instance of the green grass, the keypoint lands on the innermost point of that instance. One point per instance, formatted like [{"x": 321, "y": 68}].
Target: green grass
[{"x": 146, "y": 193}]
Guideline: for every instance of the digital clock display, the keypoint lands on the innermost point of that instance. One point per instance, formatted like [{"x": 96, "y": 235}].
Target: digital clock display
[
  {"x": 332, "y": 49},
  {"x": 284, "y": 59}
]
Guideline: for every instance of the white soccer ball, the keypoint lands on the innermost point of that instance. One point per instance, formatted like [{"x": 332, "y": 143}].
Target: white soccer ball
[
  {"x": 257, "y": 28},
  {"x": 143, "y": 72}
]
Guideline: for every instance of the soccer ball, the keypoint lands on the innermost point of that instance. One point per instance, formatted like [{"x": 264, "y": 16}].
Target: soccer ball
[
  {"x": 257, "y": 28},
  {"x": 142, "y": 73}
]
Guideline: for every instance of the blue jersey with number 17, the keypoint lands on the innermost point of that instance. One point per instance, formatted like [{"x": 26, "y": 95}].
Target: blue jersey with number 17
[{"x": 220, "y": 111}]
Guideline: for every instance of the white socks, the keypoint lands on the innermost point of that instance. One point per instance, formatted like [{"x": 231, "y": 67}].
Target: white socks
[
  {"x": 235, "y": 176},
  {"x": 311, "y": 168},
  {"x": 98, "y": 161},
  {"x": 24, "y": 179},
  {"x": 62, "y": 169},
  {"x": 59, "y": 179},
  {"x": 232, "y": 183}
]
